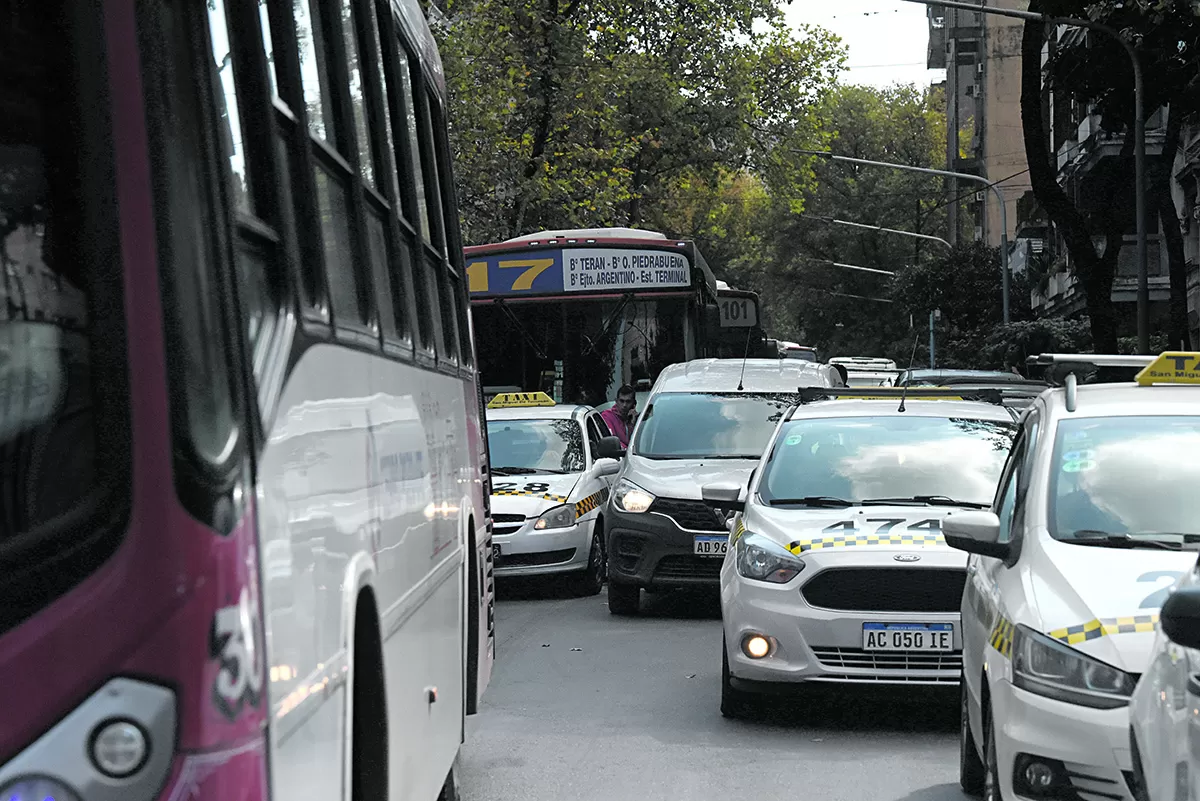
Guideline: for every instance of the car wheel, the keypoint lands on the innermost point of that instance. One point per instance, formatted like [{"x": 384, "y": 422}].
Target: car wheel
[
  {"x": 971, "y": 769},
  {"x": 991, "y": 771},
  {"x": 734, "y": 702},
  {"x": 590, "y": 580},
  {"x": 624, "y": 599}
]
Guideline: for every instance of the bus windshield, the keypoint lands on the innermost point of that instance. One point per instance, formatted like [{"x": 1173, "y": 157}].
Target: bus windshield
[
  {"x": 520, "y": 447},
  {"x": 47, "y": 429},
  {"x": 710, "y": 425}
]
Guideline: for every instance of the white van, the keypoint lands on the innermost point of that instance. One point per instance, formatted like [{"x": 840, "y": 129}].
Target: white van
[{"x": 705, "y": 421}]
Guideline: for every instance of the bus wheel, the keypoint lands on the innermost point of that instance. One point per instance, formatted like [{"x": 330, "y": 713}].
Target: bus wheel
[
  {"x": 590, "y": 580},
  {"x": 369, "y": 732}
]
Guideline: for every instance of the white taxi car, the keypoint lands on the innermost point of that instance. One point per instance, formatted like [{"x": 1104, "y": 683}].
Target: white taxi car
[
  {"x": 548, "y": 489},
  {"x": 837, "y": 571},
  {"x": 1164, "y": 733},
  {"x": 1065, "y": 580}
]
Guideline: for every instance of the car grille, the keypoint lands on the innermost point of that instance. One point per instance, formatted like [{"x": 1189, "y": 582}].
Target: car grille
[
  {"x": 535, "y": 559},
  {"x": 885, "y": 662},
  {"x": 688, "y": 567},
  {"x": 692, "y": 515},
  {"x": 507, "y": 524},
  {"x": 887, "y": 589}
]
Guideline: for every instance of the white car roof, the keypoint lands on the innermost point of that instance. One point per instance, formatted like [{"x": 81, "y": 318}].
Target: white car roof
[
  {"x": 857, "y": 407},
  {"x": 1124, "y": 400},
  {"x": 561, "y": 412},
  {"x": 755, "y": 375}
]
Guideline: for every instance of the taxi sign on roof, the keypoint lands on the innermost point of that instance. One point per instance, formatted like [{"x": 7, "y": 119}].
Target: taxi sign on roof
[
  {"x": 1172, "y": 367},
  {"x": 512, "y": 400}
]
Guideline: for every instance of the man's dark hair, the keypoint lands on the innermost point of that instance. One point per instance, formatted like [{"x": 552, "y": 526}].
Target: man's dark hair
[{"x": 626, "y": 390}]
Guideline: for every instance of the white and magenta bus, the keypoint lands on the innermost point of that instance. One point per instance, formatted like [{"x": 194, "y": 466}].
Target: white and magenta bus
[{"x": 244, "y": 533}]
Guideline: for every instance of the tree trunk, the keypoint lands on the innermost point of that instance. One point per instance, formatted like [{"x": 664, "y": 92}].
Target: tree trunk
[
  {"x": 1094, "y": 273},
  {"x": 1168, "y": 214},
  {"x": 547, "y": 84}
]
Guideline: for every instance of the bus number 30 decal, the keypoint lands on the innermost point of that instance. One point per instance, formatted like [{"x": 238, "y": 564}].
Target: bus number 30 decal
[
  {"x": 232, "y": 642},
  {"x": 883, "y": 525}
]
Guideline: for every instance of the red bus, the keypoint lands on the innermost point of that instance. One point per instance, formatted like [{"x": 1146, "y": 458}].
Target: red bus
[{"x": 245, "y": 538}]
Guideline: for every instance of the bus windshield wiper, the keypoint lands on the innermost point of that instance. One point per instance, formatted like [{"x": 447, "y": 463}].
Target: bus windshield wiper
[
  {"x": 813, "y": 500},
  {"x": 1104, "y": 539},
  {"x": 927, "y": 500}
]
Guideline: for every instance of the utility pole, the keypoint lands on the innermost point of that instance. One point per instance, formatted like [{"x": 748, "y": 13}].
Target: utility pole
[{"x": 1139, "y": 143}]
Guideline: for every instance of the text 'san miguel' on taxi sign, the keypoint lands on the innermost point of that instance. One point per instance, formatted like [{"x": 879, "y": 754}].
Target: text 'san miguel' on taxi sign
[
  {"x": 512, "y": 400},
  {"x": 1172, "y": 367}
]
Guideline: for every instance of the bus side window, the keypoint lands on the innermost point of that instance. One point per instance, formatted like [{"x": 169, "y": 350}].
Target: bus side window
[{"x": 412, "y": 210}]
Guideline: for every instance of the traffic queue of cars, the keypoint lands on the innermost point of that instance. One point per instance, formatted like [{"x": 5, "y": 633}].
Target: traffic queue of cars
[{"x": 1035, "y": 545}]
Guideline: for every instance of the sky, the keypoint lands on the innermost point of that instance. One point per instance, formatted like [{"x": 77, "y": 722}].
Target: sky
[{"x": 886, "y": 39}]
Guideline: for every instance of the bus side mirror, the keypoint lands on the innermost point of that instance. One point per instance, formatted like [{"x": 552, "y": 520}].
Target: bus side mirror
[{"x": 609, "y": 448}]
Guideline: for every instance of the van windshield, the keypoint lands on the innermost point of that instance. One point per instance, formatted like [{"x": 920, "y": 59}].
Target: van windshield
[{"x": 710, "y": 425}]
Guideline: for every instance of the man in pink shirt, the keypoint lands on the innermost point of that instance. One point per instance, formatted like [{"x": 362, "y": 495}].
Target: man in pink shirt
[{"x": 620, "y": 416}]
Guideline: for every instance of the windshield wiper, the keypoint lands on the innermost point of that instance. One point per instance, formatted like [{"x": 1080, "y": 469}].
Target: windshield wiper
[
  {"x": 813, "y": 500},
  {"x": 1104, "y": 539},
  {"x": 520, "y": 471},
  {"x": 927, "y": 500}
]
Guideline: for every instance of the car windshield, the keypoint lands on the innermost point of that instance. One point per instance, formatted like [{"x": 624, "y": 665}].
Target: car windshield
[
  {"x": 519, "y": 447},
  {"x": 1126, "y": 476},
  {"x": 710, "y": 425},
  {"x": 905, "y": 456}
]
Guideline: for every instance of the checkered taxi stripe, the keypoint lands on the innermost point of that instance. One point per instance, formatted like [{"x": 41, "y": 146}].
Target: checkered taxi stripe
[
  {"x": 591, "y": 502},
  {"x": 842, "y": 541},
  {"x": 1093, "y": 629},
  {"x": 1002, "y": 637},
  {"x": 546, "y": 495}
]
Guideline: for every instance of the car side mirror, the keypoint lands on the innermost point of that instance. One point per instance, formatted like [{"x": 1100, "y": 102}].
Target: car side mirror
[
  {"x": 609, "y": 448},
  {"x": 724, "y": 494},
  {"x": 975, "y": 532},
  {"x": 606, "y": 467},
  {"x": 1180, "y": 617}
]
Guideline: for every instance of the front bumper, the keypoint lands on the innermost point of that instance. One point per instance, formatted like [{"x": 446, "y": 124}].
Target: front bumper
[
  {"x": 651, "y": 550},
  {"x": 529, "y": 552},
  {"x": 1093, "y": 744},
  {"x": 813, "y": 644}
]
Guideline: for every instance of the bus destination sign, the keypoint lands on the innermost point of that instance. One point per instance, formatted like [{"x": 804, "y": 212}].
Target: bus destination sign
[{"x": 571, "y": 270}]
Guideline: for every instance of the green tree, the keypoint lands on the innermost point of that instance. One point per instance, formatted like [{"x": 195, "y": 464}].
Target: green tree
[
  {"x": 835, "y": 309},
  {"x": 573, "y": 113}
]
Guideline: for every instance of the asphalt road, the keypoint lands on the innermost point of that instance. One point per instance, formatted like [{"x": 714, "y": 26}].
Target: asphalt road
[{"x": 587, "y": 706}]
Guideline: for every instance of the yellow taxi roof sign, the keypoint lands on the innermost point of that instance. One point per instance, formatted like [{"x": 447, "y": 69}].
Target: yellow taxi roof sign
[
  {"x": 1171, "y": 367},
  {"x": 514, "y": 400}
]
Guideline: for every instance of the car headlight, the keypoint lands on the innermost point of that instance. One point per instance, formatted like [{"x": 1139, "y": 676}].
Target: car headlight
[
  {"x": 557, "y": 517},
  {"x": 763, "y": 559},
  {"x": 1047, "y": 667},
  {"x": 629, "y": 497}
]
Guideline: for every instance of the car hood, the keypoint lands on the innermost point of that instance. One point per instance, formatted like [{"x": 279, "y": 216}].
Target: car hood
[
  {"x": 1104, "y": 601},
  {"x": 683, "y": 478},
  {"x": 511, "y": 495},
  {"x": 901, "y": 528}
]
